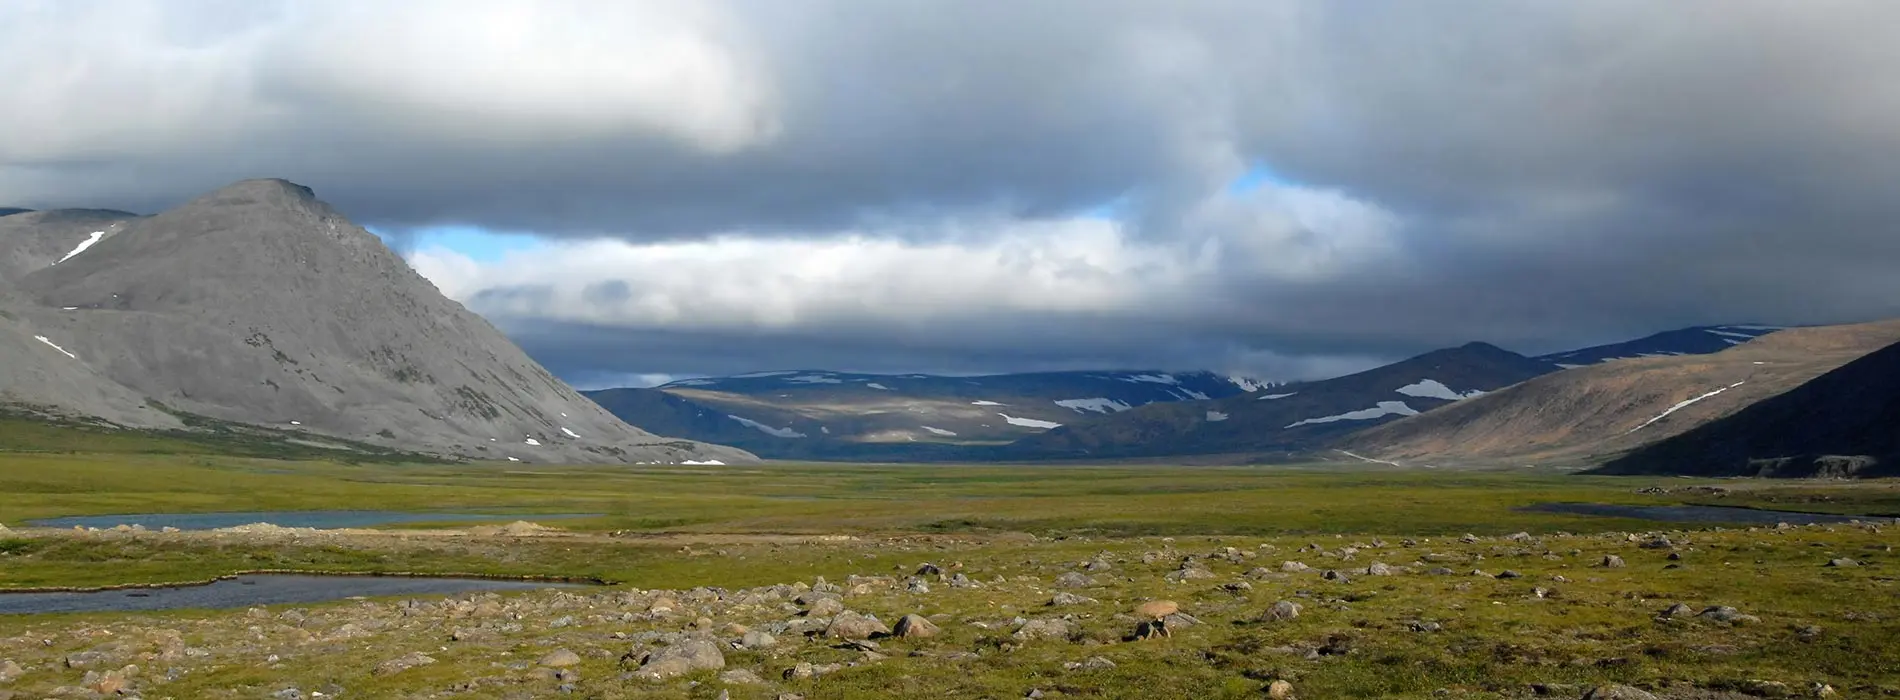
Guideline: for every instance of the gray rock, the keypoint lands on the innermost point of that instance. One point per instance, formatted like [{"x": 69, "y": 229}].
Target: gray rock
[
  {"x": 1294, "y": 567},
  {"x": 1842, "y": 563},
  {"x": 850, "y": 625},
  {"x": 10, "y": 670},
  {"x": 1073, "y": 580},
  {"x": 560, "y": 658},
  {"x": 1611, "y": 561},
  {"x": 1062, "y": 598},
  {"x": 680, "y": 659},
  {"x": 757, "y": 639},
  {"x": 915, "y": 626},
  {"x": 1280, "y": 612},
  {"x": 1726, "y": 614},
  {"x": 1676, "y": 611}
]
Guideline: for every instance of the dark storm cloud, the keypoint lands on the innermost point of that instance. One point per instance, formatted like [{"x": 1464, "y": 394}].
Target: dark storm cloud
[{"x": 1539, "y": 175}]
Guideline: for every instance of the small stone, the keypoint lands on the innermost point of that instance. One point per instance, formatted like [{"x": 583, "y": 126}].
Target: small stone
[
  {"x": 1842, "y": 563},
  {"x": 1096, "y": 663},
  {"x": 929, "y": 570},
  {"x": 1332, "y": 575},
  {"x": 800, "y": 671},
  {"x": 1808, "y": 633},
  {"x": 825, "y": 607},
  {"x": 10, "y": 670},
  {"x": 560, "y": 658},
  {"x": 1723, "y": 613},
  {"x": 1818, "y": 689},
  {"x": 1280, "y": 690},
  {"x": 1611, "y": 561},
  {"x": 1507, "y": 573},
  {"x": 1378, "y": 569},
  {"x": 1675, "y": 556},
  {"x": 915, "y": 626}
]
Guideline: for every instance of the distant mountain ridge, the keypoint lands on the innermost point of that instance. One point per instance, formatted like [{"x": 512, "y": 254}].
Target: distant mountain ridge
[
  {"x": 1581, "y": 416},
  {"x": 260, "y": 304},
  {"x": 1695, "y": 340},
  {"x": 817, "y": 414},
  {"x": 1292, "y": 419}
]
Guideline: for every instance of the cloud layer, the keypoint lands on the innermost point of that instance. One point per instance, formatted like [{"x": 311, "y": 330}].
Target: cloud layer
[{"x": 989, "y": 186}]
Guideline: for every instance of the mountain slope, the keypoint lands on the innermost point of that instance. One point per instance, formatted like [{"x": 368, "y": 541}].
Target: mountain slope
[
  {"x": 30, "y": 241},
  {"x": 260, "y": 304},
  {"x": 834, "y": 415},
  {"x": 1843, "y": 423},
  {"x": 1292, "y": 418},
  {"x": 1698, "y": 340},
  {"x": 1587, "y": 413}
]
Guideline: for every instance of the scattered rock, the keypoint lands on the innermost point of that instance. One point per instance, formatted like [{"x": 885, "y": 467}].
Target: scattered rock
[
  {"x": 1675, "y": 611},
  {"x": 560, "y": 658},
  {"x": 1294, "y": 567},
  {"x": 1611, "y": 561},
  {"x": 680, "y": 659},
  {"x": 403, "y": 663},
  {"x": 1073, "y": 580},
  {"x": 1378, "y": 569},
  {"x": 1723, "y": 613},
  {"x": 10, "y": 670},
  {"x": 915, "y": 626},
  {"x": 1808, "y": 633},
  {"x": 1507, "y": 573},
  {"x": 1842, "y": 563},
  {"x": 1280, "y": 690},
  {"x": 1093, "y": 663},
  {"x": 1332, "y": 575},
  {"x": 1062, "y": 598},
  {"x": 929, "y": 570}
]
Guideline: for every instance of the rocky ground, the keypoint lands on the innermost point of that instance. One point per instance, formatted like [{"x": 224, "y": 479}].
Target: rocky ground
[{"x": 1761, "y": 612}]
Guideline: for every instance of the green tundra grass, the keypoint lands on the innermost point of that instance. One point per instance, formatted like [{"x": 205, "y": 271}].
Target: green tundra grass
[{"x": 1014, "y": 528}]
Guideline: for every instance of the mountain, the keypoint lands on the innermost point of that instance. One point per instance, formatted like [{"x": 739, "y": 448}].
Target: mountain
[
  {"x": 814, "y": 414},
  {"x": 1587, "y": 414},
  {"x": 260, "y": 304},
  {"x": 1841, "y": 424},
  {"x": 33, "y": 240},
  {"x": 10, "y": 211},
  {"x": 1698, "y": 340},
  {"x": 1290, "y": 419}
]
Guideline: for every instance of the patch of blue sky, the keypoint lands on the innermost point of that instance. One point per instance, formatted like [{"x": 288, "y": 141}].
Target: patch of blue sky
[{"x": 478, "y": 244}]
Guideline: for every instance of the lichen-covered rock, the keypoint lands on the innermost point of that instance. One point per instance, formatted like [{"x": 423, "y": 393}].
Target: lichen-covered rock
[
  {"x": 915, "y": 626},
  {"x": 680, "y": 659}
]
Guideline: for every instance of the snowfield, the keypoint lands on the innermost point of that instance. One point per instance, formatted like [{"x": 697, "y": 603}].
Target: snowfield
[{"x": 1385, "y": 408}]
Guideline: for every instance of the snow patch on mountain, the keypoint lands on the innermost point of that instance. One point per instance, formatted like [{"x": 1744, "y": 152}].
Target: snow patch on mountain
[
  {"x": 815, "y": 379},
  {"x": 785, "y": 432},
  {"x": 1151, "y": 379},
  {"x": 940, "y": 431},
  {"x": 880, "y": 387},
  {"x": 1385, "y": 408},
  {"x": 987, "y": 403},
  {"x": 1683, "y": 405},
  {"x": 55, "y": 346},
  {"x": 1029, "y": 422},
  {"x": 1098, "y": 405},
  {"x": 1248, "y": 384},
  {"x": 1216, "y": 416},
  {"x": 1434, "y": 389},
  {"x": 1272, "y": 397},
  {"x": 83, "y": 245}
]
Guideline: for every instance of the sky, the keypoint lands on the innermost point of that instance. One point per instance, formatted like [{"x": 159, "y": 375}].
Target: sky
[{"x": 1283, "y": 188}]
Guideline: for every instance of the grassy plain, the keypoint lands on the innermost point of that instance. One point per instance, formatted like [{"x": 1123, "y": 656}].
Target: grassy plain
[{"x": 1011, "y": 529}]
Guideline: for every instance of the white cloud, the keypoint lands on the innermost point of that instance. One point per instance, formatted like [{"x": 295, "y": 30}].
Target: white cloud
[{"x": 1075, "y": 265}]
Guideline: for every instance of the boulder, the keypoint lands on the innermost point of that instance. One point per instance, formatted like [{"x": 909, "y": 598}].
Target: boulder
[
  {"x": 1617, "y": 692},
  {"x": 915, "y": 626},
  {"x": 1280, "y": 690},
  {"x": 1280, "y": 612},
  {"x": 1062, "y": 598},
  {"x": 757, "y": 639},
  {"x": 680, "y": 659},
  {"x": 1611, "y": 561},
  {"x": 1073, "y": 580},
  {"x": 560, "y": 658},
  {"x": 850, "y": 625}
]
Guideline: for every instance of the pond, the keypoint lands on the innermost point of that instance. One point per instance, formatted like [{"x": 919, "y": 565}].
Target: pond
[
  {"x": 325, "y": 519},
  {"x": 259, "y": 589},
  {"x": 1699, "y": 514}
]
